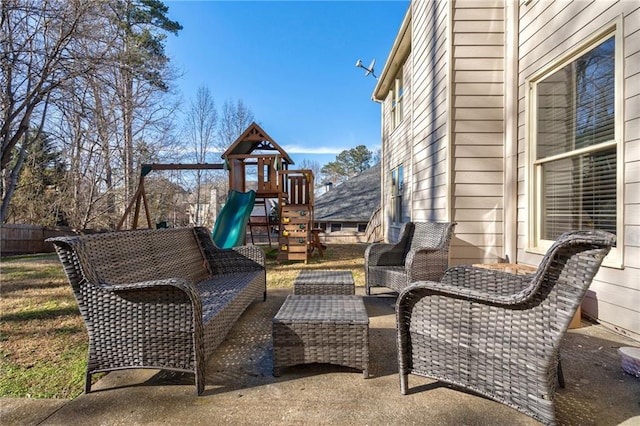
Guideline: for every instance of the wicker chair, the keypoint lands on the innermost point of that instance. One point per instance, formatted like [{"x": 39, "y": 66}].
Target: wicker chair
[
  {"x": 496, "y": 333},
  {"x": 421, "y": 254}
]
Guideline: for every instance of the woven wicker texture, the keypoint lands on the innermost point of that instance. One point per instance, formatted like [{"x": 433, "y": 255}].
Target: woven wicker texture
[
  {"x": 495, "y": 333},
  {"x": 421, "y": 254},
  {"x": 330, "y": 329},
  {"x": 148, "y": 298},
  {"x": 324, "y": 282}
]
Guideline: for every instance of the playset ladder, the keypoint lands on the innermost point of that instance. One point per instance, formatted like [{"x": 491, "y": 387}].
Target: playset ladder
[
  {"x": 296, "y": 215},
  {"x": 260, "y": 221}
]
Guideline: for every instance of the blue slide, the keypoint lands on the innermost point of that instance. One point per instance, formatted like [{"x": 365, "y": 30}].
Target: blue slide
[{"x": 231, "y": 224}]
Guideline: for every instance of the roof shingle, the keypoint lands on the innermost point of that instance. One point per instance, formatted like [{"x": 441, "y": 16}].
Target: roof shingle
[{"x": 354, "y": 200}]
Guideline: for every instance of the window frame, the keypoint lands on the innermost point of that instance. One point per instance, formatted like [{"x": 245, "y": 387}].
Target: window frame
[
  {"x": 397, "y": 192},
  {"x": 535, "y": 243},
  {"x": 397, "y": 95},
  {"x": 335, "y": 227}
]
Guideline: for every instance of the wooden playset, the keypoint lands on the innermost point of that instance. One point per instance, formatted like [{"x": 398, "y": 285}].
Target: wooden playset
[{"x": 255, "y": 153}]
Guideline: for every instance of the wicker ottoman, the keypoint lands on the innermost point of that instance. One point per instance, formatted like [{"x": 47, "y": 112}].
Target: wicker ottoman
[
  {"x": 330, "y": 329},
  {"x": 324, "y": 282}
]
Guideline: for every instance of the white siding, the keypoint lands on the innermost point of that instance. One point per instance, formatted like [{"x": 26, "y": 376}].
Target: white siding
[
  {"x": 397, "y": 151},
  {"x": 452, "y": 141},
  {"x": 547, "y": 31},
  {"x": 430, "y": 115},
  {"x": 478, "y": 130}
]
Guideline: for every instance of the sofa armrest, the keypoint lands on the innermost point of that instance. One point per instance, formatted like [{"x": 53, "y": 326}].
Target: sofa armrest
[
  {"x": 227, "y": 261},
  {"x": 179, "y": 284},
  {"x": 253, "y": 253},
  {"x": 172, "y": 290},
  {"x": 237, "y": 259},
  {"x": 147, "y": 310}
]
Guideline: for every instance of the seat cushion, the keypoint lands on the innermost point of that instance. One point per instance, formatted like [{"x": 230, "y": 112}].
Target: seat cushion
[{"x": 218, "y": 291}]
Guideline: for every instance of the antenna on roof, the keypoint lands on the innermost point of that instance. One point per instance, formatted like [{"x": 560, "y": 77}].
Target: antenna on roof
[{"x": 369, "y": 69}]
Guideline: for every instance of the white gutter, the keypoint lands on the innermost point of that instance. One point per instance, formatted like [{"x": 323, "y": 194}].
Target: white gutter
[
  {"x": 510, "y": 212},
  {"x": 399, "y": 51}
]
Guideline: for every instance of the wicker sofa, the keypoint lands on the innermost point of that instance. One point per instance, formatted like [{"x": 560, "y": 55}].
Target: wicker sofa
[
  {"x": 498, "y": 334},
  {"x": 162, "y": 299},
  {"x": 422, "y": 253}
]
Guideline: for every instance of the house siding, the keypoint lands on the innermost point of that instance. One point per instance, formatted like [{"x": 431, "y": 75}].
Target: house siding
[
  {"x": 430, "y": 111},
  {"x": 398, "y": 151},
  {"x": 468, "y": 96},
  {"x": 398, "y": 138},
  {"x": 548, "y": 30},
  {"x": 477, "y": 139}
]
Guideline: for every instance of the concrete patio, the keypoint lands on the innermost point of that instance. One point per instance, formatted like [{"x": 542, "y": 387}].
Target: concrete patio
[{"x": 241, "y": 389}]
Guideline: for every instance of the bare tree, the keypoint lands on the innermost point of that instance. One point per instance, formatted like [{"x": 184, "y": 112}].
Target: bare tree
[
  {"x": 235, "y": 119},
  {"x": 42, "y": 48},
  {"x": 202, "y": 122},
  {"x": 80, "y": 150},
  {"x": 307, "y": 164},
  {"x": 93, "y": 75},
  {"x": 142, "y": 66},
  {"x": 314, "y": 166}
]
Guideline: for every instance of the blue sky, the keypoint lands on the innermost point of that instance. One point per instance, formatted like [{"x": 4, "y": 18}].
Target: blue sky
[{"x": 292, "y": 63}]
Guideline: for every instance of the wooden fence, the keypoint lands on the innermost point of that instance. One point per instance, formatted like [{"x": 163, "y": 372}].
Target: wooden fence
[{"x": 28, "y": 239}]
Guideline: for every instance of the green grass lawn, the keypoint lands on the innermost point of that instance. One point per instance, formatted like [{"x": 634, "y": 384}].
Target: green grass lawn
[{"x": 43, "y": 339}]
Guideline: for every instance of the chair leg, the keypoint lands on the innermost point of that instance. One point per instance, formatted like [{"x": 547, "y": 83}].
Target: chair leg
[
  {"x": 199, "y": 382},
  {"x": 87, "y": 382},
  {"x": 404, "y": 383}
]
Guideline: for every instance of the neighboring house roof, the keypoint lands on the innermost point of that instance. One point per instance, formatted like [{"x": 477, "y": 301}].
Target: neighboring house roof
[{"x": 354, "y": 200}]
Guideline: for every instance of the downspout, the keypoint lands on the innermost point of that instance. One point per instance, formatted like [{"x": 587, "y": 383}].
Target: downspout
[
  {"x": 510, "y": 211},
  {"x": 450, "y": 116},
  {"x": 382, "y": 162},
  {"x": 411, "y": 172}
]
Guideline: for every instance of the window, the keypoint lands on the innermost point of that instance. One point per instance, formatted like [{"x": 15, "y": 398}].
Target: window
[
  {"x": 574, "y": 150},
  {"x": 396, "y": 101},
  {"x": 335, "y": 227},
  {"x": 397, "y": 179},
  {"x": 362, "y": 227}
]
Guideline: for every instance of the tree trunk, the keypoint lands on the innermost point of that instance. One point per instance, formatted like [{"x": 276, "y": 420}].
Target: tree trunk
[
  {"x": 127, "y": 115},
  {"x": 9, "y": 182},
  {"x": 103, "y": 137}
]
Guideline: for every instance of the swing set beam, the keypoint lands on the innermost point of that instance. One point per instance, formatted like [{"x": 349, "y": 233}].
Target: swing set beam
[{"x": 140, "y": 197}]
